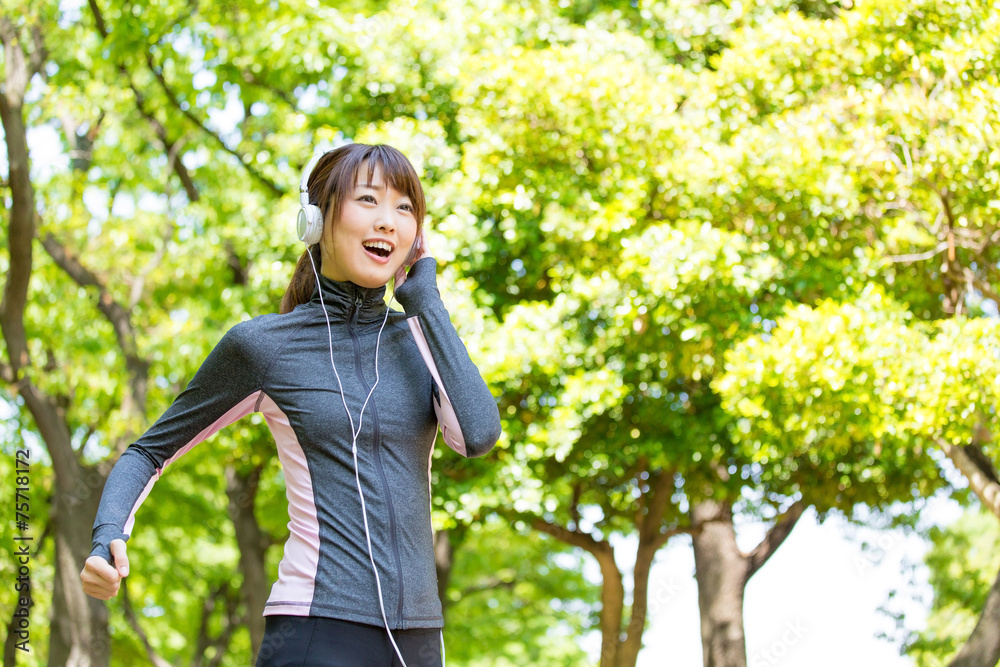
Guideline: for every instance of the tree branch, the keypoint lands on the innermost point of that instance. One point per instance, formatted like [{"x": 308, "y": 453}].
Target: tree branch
[
  {"x": 20, "y": 234},
  {"x": 250, "y": 78},
  {"x": 229, "y": 623},
  {"x": 115, "y": 313},
  {"x": 652, "y": 506},
  {"x": 91, "y": 430},
  {"x": 916, "y": 215},
  {"x": 140, "y": 282},
  {"x": 81, "y": 145},
  {"x": 642, "y": 466},
  {"x": 40, "y": 53},
  {"x": 950, "y": 236},
  {"x": 918, "y": 256},
  {"x": 612, "y": 587},
  {"x": 133, "y": 622},
  {"x": 98, "y": 18},
  {"x": 981, "y": 285},
  {"x": 981, "y": 481},
  {"x": 988, "y": 241},
  {"x": 17, "y": 72},
  {"x": 21, "y": 227},
  {"x": 243, "y": 160},
  {"x": 158, "y": 127},
  {"x": 574, "y": 506},
  {"x": 648, "y": 524},
  {"x": 169, "y": 146},
  {"x": 120, "y": 318},
  {"x": 665, "y": 536},
  {"x": 167, "y": 233},
  {"x": 983, "y": 645},
  {"x": 574, "y": 538},
  {"x": 489, "y": 584},
  {"x": 779, "y": 531}
]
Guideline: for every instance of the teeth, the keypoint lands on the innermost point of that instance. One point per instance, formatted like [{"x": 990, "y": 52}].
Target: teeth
[{"x": 381, "y": 245}]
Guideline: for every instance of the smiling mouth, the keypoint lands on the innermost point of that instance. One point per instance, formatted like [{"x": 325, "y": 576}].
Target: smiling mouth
[{"x": 378, "y": 248}]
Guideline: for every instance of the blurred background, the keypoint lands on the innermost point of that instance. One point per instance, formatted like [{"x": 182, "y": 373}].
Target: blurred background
[{"x": 730, "y": 269}]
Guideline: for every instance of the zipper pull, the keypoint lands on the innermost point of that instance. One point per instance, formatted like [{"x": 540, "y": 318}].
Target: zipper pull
[{"x": 358, "y": 301}]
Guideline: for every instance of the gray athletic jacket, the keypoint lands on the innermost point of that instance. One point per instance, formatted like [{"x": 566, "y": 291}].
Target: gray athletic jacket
[{"x": 279, "y": 365}]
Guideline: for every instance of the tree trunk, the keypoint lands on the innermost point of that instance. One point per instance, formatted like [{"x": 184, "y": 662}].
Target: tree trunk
[
  {"x": 628, "y": 652},
  {"x": 982, "y": 648},
  {"x": 720, "y": 569},
  {"x": 20, "y": 613},
  {"x": 620, "y": 646},
  {"x": 652, "y": 536},
  {"x": 241, "y": 487},
  {"x": 79, "y": 627},
  {"x": 612, "y": 588},
  {"x": 444, "y": 557},
  {"x": 612, "y": 603},
  {"x": 979, "y": 470}
]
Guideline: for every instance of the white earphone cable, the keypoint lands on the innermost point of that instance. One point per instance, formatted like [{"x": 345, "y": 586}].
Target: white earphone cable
[{"x": 354, "y": 445}]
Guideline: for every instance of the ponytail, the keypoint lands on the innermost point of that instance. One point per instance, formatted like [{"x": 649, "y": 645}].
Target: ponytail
[{"x": 303, "y": 281}]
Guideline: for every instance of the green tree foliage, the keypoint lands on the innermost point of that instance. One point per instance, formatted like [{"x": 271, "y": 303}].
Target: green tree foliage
[
  {"x": 963, "y": 562},
  {"x": 523, "y": 596},
  {"x": 862, "y": 392},
  {"x": 703, "y": 251}
]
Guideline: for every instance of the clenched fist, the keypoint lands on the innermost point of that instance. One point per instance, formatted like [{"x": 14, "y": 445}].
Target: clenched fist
[{"x": 100, "y": 579}]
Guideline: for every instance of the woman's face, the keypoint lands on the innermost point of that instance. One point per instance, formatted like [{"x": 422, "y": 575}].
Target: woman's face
[{"x": 373, "y": 236}]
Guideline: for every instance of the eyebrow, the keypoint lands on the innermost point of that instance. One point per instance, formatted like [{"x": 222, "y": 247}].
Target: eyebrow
[{"x": 380, "y": 188}]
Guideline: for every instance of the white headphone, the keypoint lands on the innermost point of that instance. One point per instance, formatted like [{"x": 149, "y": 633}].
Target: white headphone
[{"x": 310, "y": 222}]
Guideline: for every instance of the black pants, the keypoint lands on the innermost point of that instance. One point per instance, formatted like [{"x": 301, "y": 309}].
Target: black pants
[{"x": 329, "y": 642}]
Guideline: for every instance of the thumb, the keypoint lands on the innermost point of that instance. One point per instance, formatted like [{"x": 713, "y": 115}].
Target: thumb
[{"x": 121, "y": 559}]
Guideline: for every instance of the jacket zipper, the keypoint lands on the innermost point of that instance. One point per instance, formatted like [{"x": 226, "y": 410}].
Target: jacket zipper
[{"x": 358, "y": 302}]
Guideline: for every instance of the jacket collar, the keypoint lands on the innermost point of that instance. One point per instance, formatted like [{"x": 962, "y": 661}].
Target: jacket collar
[{"x": 343, "y": 298}]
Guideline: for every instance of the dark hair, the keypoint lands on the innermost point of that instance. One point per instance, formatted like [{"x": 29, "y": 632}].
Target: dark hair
[{"x": 331, "y": 181}]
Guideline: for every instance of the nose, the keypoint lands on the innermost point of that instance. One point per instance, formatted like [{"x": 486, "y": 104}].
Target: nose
[{"x": 384, "y": 222}]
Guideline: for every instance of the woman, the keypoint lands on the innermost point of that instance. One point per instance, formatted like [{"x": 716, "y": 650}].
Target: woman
[{"x": 353, "y": 393}]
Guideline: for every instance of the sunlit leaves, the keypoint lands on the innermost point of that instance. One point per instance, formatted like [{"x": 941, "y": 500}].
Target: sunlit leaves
[
  {"x": 860, "y": 385},
  {"x": 697, "y": 237},
  {"x": 963, "y": 566},
  {"x": 528, "y": 601}
]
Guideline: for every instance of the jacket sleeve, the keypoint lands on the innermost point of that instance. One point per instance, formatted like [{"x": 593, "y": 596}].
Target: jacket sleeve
[
  {"x": 465, "y": 408},
  {"x": 225, "y": 388}
]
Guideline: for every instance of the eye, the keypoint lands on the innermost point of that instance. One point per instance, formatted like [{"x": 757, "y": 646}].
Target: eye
[
  {"x": 407, "y": 207},
  {"x": 367, "y": 198}
]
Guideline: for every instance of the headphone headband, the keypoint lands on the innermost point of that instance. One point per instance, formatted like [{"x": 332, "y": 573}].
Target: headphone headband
[{"x": 306, "y": 173}]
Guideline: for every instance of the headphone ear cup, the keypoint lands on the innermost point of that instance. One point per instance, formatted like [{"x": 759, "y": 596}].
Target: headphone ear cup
[{"x": 310, "y": 224}]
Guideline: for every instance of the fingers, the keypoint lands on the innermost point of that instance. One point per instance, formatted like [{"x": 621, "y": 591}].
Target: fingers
[
  {"x": 99, "y": 579},
  {"x": 421, "y": 243},
  {"x": 417, "y": 251}
]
